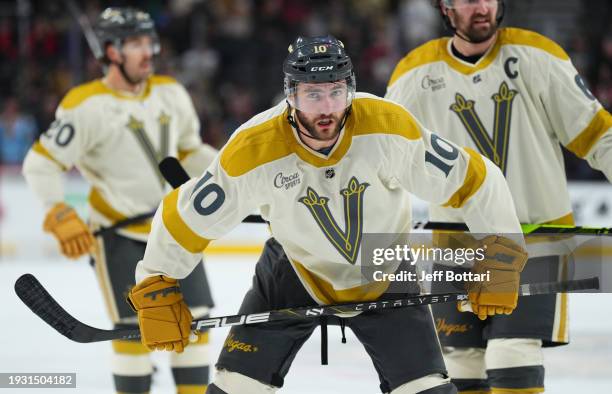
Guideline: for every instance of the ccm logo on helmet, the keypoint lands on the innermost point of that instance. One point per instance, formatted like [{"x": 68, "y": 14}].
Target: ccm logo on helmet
[{"x": 322, "y": 68}]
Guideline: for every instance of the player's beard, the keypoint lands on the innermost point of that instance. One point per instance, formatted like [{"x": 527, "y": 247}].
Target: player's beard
[
  {"x": 475, "y": 34},
  {"x": 310, "y": 126},
  {"x": 139, "y": 75}
]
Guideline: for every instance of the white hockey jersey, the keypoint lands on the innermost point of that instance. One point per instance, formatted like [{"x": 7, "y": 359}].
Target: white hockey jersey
[
  {"x": 515, "y": 105},
  {"x": 116, "y": 141},
  {"x": 320, "y": 206}
]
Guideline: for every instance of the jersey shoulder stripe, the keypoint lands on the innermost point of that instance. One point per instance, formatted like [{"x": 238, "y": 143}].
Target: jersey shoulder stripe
[
  {"x": 162, "y": 80},
  {"x": 437, "y": 51},
  {"x": 255, "y": 146},
  {"x": 429, "y": 52},
  {"x": 515, "y": 36},
  {"x": 375, "y": 115},
  {"x": 81, "y": 93},
  {"x": 77, "y": 95}
]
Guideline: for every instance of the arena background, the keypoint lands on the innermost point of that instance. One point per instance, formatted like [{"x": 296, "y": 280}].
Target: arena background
[{"x": 229, "y": 54}]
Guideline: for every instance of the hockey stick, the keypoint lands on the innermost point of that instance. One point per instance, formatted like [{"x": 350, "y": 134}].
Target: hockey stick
[
  {"x": 527, "y": 228},
  {"x": 124, "y": 223},
  {"x": 88, "y": 32},
  {"x": 175, "y": 174},
  {"x": 36, "y": 297}
]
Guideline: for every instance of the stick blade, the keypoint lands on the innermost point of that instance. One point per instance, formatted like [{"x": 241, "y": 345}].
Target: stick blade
[{"x": 35, "y": 297}]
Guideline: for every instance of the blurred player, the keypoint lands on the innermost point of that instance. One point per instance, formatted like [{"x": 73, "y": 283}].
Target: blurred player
[
  {"x": 324, "y": 167},
  {"x": 115, "y": 130},
  {"x": 513, "y": 95}
]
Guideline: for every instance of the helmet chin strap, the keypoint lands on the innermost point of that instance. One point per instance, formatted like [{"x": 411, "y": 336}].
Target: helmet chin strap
[
  {"x": 463, "y": 36},
  {"x": 294, "y": 124},
  {"x": 124, "y": 73},
  {"x": 131, "y": 81},
  {"x": 466, "y": 38}
]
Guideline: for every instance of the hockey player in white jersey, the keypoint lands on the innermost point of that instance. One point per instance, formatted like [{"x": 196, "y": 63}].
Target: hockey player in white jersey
[
  {"x": 324, "y": 168},
  {"x": 115, "y": 130},
  {"x": 514, "y": 96}
]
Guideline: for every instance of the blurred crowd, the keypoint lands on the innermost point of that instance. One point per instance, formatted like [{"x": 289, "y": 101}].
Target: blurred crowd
[{"x": 228, "y": 53}]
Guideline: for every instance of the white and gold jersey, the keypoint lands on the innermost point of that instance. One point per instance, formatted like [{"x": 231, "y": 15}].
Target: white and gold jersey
[
  {"x": 116, "y": 142},
  {"x": 319, "y": 206},
  {"x": 515, "y": 106}
]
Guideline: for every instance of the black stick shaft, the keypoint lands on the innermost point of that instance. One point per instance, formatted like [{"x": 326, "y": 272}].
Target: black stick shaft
[
  {"x": 124, "y": 223},
  {"x": 36, "y": 297}
]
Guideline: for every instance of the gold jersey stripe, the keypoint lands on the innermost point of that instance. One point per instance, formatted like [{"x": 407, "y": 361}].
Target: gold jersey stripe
[
  {"x": 562, "y": 334},
  {"x": 438, "y": 51},
  {"x": 234, "y": 249},
  {"x": 41, "y": 150},
  {"x": 98, "y": 203},
  {"x": 203, "y": 339},
  {"x": 567, "y": 220},
  {"x": 474, "y": 176},
  {"x": 77, "y": 95},
  {"x": 182, "y": 154},
  {"x": 255, "y": 146},
  {"x": 101, "y": 268},
  {"x": 600, "y": 124},
  {"x": 178, "y": 229},
  {"x": 325, "y": 292},
  {"x": 129, "y": 347},
  {"x": 515, "y": 36},
  {"x": 191, "y": 388},
  {"x": 375, "y": 116},
  {"x": 527, "y": 390}
]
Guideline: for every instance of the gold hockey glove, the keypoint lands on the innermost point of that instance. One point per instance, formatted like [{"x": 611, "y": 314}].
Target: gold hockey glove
[
  {"x": 72, "y": 233},
  {"x": 504, "y": 260},
  {"x": 163, "y": 316}
]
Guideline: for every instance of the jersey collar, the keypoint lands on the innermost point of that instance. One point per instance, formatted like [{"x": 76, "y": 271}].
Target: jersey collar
[
  {"x": 310, "y": 155},
  {"x": 468, "y": 68}
]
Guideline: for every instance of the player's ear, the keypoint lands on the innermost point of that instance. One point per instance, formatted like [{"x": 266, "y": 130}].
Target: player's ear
[
  {"x": 443, "y": 8},
  {"x": 112, "y": 53},
  {"x": 447, "y": 12}
]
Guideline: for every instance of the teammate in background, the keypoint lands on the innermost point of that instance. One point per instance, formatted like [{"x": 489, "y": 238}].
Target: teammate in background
[
  {"x": 514, "y": 96},
  {"x": 115, "y": 130},
  {"x": 352, "y": 158}
]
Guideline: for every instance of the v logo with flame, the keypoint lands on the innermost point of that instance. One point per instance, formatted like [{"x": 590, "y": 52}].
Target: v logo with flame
[
  {"x": 495, "y": 149},
  {"x": 346, "y": 241}
]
